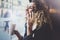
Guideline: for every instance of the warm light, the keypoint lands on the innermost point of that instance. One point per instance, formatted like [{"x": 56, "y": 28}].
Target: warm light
[{"x": 52, "y": 10}]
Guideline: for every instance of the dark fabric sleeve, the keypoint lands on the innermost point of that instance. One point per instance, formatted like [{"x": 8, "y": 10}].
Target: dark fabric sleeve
[
  {"x": 25, "y": 29},
  {"x": 28, "y": 37},
  {"x": 25, "y": 36}
]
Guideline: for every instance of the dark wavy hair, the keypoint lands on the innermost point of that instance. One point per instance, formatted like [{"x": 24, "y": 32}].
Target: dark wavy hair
[
  {"x": 30, "y": 0},
  {"x": 41, "y": 6}
]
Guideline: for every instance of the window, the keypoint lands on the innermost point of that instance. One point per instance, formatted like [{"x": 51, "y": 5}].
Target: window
[
  {"x": 6, "y": 0},
  {"x": 2, "y": 5},
  {"x": 19, "y": 2},
  {"x": 6, "y": 5},
  {"x": 2, "y": 0}
]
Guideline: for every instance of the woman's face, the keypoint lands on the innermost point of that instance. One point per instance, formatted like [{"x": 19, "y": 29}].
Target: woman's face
[{"x": 32, "y": 6}]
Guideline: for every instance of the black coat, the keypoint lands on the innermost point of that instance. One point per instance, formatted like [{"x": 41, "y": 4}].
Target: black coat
[{"x": 44, "y": 33}]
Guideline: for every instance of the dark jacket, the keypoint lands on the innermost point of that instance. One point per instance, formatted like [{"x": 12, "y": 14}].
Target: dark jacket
[
  {"x": 43, "y": 33},
  {"x": 56, "y": 25}
]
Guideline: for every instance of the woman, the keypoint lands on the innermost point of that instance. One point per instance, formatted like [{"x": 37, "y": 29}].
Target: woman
[{"x": 39, "y": 25}]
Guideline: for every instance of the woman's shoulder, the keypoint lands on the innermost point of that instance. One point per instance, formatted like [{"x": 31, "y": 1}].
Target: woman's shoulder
[{"x": 44, "y": 27}]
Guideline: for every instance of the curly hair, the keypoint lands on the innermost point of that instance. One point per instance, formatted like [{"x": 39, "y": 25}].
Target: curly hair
[{"x": 41, "y": 15}]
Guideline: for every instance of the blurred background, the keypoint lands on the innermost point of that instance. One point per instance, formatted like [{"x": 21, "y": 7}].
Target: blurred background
[{"x": 12, "y": 10}]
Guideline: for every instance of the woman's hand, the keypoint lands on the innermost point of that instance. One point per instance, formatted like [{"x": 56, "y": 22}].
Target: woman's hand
[
  {"x": 29, "y": 21},
  {"x": 18, "y": 35}
]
